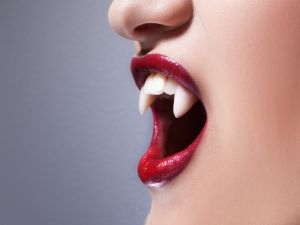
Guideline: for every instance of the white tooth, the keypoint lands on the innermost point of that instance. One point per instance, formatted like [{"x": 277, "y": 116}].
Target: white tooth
[
  {"x": 147, "y": 85},
  {"x": 183, "y": 101},
  {"x": 155, "y": 85},
  {"x": 145, "y": 101},
  {"x": 170, "y": 87}
]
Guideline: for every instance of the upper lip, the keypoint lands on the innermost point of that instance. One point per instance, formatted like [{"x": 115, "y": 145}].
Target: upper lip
[{"x": 142, "y": 66}]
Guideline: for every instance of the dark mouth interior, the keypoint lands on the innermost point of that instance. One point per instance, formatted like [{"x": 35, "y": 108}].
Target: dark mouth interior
[{"x": 178, "y": 133}]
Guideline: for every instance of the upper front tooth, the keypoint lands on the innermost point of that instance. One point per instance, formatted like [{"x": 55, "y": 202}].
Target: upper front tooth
[
  {"x": 147, "y": 85},
  {"x": 183, "y": 101},
  {"x": 145, "y": 101},
  {"x": 155, "y": 84},
  {"x": 170, "y": 87}
]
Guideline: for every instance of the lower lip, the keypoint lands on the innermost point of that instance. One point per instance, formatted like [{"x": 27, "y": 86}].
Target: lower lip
[{"x": 155, "y": 170}]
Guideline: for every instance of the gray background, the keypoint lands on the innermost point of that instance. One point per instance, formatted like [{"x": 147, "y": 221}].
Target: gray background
[{"x": 70, "y": 133}]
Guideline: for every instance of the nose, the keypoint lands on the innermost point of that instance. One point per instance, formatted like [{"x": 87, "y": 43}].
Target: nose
[{"x": 142, "y": 20}]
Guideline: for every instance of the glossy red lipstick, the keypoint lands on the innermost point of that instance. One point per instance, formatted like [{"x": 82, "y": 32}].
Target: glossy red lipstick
[{"x": 154, "y": 168}]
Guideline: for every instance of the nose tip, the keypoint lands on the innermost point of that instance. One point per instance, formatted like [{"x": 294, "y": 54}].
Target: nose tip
[{"x": 141, "y": 19}]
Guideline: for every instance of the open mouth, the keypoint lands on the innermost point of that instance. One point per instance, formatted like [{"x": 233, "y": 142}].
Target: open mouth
[{"x": 179, "y": 117}]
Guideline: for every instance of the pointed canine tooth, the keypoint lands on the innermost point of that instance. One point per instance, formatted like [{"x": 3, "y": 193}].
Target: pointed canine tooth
[
  {"x": 155, "y": 85},
  {"x": 183, "y": 101},
  {"x": 170, "y": 87},
  {"x": 145, "y": 101}
]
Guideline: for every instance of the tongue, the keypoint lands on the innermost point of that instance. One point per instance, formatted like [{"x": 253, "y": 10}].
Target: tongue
[{"x": 178, "y": 133}]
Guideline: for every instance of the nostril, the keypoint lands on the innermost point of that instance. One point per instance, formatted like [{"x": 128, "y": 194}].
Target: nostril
[
  {"x": 143, "y": 27},
  {"x": 149, "y": 28}
]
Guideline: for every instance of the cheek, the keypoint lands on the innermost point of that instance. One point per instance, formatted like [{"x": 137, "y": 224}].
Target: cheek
[{"x": 254, "y": 72}]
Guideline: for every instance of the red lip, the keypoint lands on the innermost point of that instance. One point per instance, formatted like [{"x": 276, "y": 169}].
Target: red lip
[{"x": 154, "y": 169}]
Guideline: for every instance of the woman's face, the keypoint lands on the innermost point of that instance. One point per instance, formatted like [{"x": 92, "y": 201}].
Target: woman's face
[{"x": 244, "y": 57}]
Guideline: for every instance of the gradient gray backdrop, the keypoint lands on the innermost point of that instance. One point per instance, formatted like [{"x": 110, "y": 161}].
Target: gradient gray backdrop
[{"x": 70, "y": 133}]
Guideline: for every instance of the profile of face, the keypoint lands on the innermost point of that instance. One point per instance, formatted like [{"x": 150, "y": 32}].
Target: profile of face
[{"x": 238, "y": 65}]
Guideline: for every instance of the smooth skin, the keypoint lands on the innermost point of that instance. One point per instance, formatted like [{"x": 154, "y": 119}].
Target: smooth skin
[{"x": 244, "y": 56}]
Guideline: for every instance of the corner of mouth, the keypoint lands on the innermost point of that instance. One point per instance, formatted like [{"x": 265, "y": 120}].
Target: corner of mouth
[{"x": 175, "y": 136}]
